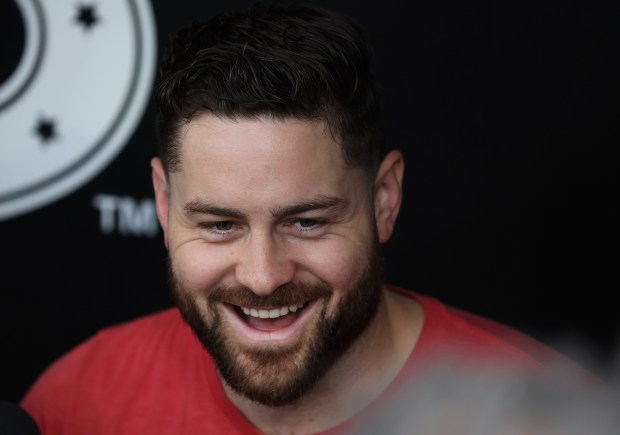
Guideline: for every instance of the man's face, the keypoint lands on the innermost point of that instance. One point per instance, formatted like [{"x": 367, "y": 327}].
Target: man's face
[{"x": 273, "y": 251}]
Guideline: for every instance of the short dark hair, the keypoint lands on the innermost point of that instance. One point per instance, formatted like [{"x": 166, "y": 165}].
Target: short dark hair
[{"x": 280, "y": 61}]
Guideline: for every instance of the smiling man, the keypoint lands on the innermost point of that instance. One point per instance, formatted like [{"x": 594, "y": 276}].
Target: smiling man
[
  {"x": 277, "y": 268},
  {"x": 275, "y": 196}
]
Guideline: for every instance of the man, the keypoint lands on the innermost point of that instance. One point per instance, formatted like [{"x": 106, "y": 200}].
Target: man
[{"x": 274, "y": 196}]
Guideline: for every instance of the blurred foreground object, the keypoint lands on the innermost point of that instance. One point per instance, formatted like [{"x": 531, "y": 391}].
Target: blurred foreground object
[{"x": 448, "y": 400}]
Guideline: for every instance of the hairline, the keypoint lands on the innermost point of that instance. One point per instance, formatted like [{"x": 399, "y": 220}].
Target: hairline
[{"x": 174, "y": 165}]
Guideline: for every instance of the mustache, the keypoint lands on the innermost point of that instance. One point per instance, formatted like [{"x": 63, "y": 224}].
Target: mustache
[{"x": 287, "y": 294}]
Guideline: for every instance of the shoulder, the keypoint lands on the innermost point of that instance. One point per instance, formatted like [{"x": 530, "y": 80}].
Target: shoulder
[
  {"x": 113, "y": 345},
  {"x": 451, "y": 332},
  {"x": 466, "y": 368},
  {"x": 110, "y": 369}
]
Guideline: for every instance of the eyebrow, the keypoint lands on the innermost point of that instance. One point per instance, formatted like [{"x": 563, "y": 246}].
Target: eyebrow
[
  {"x": 321, "y": 202},
  {"x": 198, "y": 206}
]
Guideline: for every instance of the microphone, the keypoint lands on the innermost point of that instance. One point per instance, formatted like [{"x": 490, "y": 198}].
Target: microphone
[{"x": 14, "y": 420}]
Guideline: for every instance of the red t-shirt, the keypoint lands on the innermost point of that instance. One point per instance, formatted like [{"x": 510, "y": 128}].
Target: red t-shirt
[{"x": 152, "y": 376}]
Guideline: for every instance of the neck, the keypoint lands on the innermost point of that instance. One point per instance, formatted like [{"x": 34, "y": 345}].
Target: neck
[{"x": 354, "y": 382}]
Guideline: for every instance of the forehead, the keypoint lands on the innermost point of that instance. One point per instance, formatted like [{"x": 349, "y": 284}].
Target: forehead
[
  {"x": 264, "y": 156},
  {"x": 261, "y": 137}
]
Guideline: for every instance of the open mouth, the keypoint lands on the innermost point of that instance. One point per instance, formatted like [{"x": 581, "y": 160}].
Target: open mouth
[{"x": 269, "y": 319}]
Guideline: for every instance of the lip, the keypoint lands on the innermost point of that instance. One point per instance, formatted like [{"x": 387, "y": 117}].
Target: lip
[{"x": 284, "y": 335}]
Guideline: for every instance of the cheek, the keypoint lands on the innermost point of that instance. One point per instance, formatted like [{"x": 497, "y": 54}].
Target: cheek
[
  {"x": 338, "y": 264},
  {"x": 197, "y": 268}
]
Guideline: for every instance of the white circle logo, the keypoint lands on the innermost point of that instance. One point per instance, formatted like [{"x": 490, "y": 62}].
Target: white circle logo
[{"x": 78, "y": 92}]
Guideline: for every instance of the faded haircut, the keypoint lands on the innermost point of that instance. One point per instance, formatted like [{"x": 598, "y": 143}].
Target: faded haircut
[{"x": 275, "y": 61}]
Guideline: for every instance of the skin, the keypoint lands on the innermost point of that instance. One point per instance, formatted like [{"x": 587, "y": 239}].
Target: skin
[{"x": 245, "y": 209}]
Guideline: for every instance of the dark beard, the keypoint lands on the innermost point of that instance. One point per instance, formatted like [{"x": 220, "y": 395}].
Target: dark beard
[{"x": 278, "y": 376}]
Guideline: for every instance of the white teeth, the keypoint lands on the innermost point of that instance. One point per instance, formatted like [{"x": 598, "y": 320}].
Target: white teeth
[{"x": 272, "y": 313}]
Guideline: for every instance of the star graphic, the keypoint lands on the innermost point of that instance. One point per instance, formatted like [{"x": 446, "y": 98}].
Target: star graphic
[
  {"x": 87, "y": 16},
  {"x": 46, "y": 129}
]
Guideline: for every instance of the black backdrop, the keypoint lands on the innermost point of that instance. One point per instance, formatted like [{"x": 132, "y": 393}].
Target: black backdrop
[{"x": 507, "y": 113}]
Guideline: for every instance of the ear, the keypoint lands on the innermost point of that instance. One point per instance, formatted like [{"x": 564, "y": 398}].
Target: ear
[
  {"x": 160, "y": 185},
  {"x": 388, "y": 193}
]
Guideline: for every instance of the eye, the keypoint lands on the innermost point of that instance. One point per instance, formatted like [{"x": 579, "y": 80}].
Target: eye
[
  {"x": 220, "y": 228},
  {"x": 223, "y": 226},
  {"x": 308, "y": 226},
  {"x": 307, "y": 223}
]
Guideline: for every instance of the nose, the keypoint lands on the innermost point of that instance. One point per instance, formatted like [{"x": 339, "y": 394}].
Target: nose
[{"x": 264, "y": 264}]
